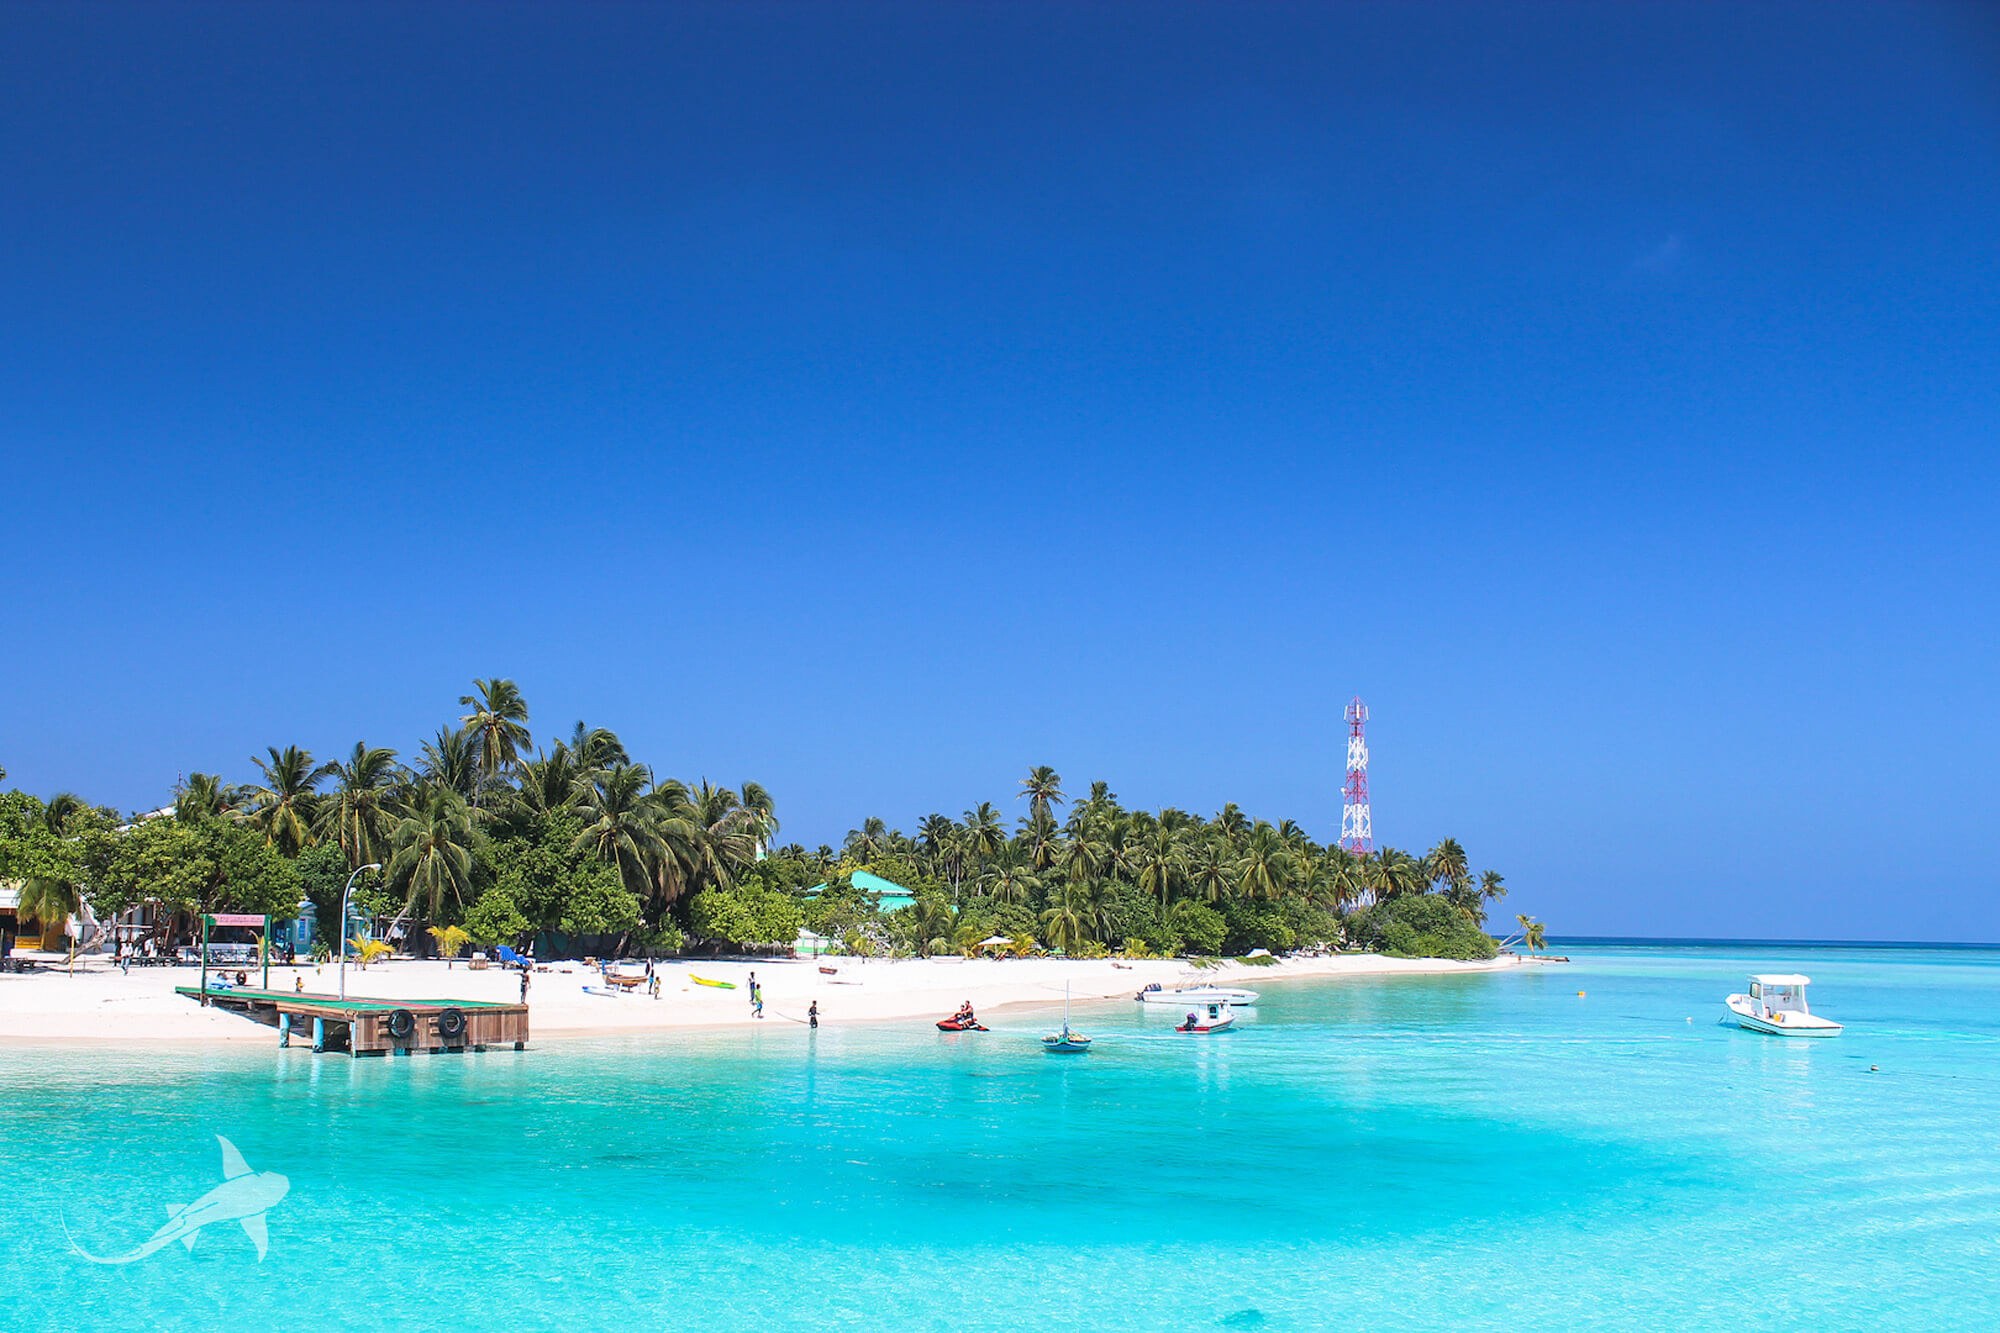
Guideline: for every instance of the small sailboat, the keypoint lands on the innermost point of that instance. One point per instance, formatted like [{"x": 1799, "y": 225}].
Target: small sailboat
[
  {"x": 1068, "y": 1041},
  {"x": 1776, "y": 1005}
]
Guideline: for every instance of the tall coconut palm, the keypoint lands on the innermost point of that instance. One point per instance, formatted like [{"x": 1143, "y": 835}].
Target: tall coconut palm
[
  {"x": 1446, "y": 864},
  {"x": 985, "y": 832},
  {"x": 1042, "y": 840},
  {"x": 1042, "y": 789},
  {"x": 497, "y": 726},
  {"x": 1233, "y": 824},
  {"x": 203, "y": 796},
  {"x": 282, "y": 808},
  {"x": 1083, "y": 855},
  {"x": 1008, "y": 878},
  {"x": 1264, "y": 867},
  {"x": 1065, "y": 923},
  {"x": 1532, "y": 933},
  {"x": 1393, "y": 874},
  {"x": 550, "y": 782},
  {"x": 451, "y": 760},
  {"x": 759, "y": 816},
  {"x": 592, "y": 748},
  {"x": 1208, "y": 868},
  {"x": 1160, "y": 863},
  {"x": 360, "y": 812},
  {"x": 1492, "y": 886},
  {"x": 869, "y": 842},
  {"x": 623, "y": 828},
  {"x": 432, "y": 863}
]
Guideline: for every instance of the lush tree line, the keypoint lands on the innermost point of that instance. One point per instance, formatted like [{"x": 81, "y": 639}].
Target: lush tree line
[
  {"x": 1099, "y": 878},
  {"x": 575, "y": 842},
  {"x": 578, "y": 845}
]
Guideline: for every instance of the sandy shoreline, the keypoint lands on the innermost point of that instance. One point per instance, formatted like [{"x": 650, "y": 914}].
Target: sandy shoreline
[{"x": 98, "y": 1004}]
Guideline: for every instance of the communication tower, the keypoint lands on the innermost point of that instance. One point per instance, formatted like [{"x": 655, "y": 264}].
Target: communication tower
[{"x": 1357, "y": 829}]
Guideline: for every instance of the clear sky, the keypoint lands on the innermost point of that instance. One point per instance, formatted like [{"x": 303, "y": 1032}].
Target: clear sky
[{"x": 876, "y": 401}]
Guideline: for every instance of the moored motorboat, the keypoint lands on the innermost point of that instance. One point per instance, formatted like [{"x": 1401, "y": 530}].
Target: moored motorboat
[
  {"x": 1187, "y": 995},
  {"x": 1776, "y": 1005},
  {"x": 1214, "y": 1016}
]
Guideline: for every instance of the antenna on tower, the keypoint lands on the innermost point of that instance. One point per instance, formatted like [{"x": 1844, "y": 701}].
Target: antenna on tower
[{"x": 1357, "y": 829}]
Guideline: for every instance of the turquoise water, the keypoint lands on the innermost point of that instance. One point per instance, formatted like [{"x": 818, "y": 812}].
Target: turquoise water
[{"x": 1480, "y": 1151}]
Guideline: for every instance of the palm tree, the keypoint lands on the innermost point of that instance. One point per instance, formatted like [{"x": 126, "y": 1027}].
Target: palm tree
[
  {"x": 868, "y": 842},
  {"x": 1532, "y": 933},
  {"x": 1008, "y": 878},
  {"x": 1265, "y": 866},
  {"x": 1233, "y": 823},
  {"x": 1043, "y": 840},
  {"x": 497, "y": 726},
  {"x": 1208, "y": 868},
  {"x": 357, "y": 814},
  {"x": 1393, "y": 874},
  {"x": 1065, "y": 923},
  {"x": 282, "y": 808},
  {"x": 1042, "y": 789},
  {"x": 984, "y": 832},
  {"x": 1492, "y": 886},
  {"x": 592, "y": 748},
  {"x": 451, "y": 761},
  {"x": 433, "y": 858},
  {"x": 1446, "y": 864},
  {"x": 1160, "y": 864},
  {"x": 550, "y": 782},
  {"x": 203, "y": 797},
  {"x": 623, "y": 829}
]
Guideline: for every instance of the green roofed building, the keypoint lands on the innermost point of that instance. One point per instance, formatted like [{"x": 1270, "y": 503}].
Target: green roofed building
[{"x": 893, "y": 894}]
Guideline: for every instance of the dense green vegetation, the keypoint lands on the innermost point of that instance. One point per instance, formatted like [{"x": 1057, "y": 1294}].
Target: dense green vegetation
[{"x": 579, "y": 846}]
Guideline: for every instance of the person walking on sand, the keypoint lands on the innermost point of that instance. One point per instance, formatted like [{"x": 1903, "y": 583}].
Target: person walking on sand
[
  {"x": 653, "y": 985},
  {"x": 812, "y": 1014},
  {"x": 756, "y": 997}
]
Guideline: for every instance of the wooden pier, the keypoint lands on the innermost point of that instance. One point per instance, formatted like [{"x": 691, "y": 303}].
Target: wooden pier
[{"x": 377, "y": 1027}]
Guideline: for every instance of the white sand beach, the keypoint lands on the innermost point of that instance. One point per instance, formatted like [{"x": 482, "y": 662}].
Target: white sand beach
[{"x": 99, "y": 1003}]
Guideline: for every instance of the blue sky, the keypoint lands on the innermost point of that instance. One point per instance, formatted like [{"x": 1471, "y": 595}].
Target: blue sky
[{"x": 877, "y": 401}]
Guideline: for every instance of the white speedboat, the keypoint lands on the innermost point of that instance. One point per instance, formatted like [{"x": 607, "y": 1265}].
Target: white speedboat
[
  {"x": 1777, "y": 1004},
  {"x": 1193, "y": 995},
  {"x": 1213, "y": 1016}
]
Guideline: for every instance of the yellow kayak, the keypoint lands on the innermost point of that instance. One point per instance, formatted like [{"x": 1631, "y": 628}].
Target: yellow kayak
[{"x": 704, "y": 981}]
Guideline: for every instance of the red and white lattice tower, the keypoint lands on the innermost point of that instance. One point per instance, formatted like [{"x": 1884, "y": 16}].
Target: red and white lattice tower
[{"x": 1357, "y": 829}]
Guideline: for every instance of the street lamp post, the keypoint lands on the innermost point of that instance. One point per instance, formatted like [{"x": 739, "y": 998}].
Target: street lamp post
[{"x": 343, "y": 921}]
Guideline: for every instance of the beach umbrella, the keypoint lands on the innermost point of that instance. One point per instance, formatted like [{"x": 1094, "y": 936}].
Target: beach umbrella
[{"x": 992, "y": 940}]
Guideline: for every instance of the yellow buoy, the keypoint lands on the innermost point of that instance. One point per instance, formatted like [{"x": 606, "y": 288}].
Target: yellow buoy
[{"x": 1579, "y": 995}]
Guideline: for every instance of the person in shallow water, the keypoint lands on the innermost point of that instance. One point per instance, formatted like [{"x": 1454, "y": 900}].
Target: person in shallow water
[{"x": 812, "y": 1014}]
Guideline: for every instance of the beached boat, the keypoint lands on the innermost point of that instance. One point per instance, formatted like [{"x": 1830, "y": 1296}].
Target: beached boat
[
  {"x": 1776, "y": 1005},
  {"x": 1068, "y": 1041},
  {"x": 1191, "y": 995},
  {"x": 1214, "y": 1016},
  {"x": 704, "y": 981}
]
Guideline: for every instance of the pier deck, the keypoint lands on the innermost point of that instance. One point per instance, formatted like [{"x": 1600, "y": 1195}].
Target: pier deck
[{"x": 374, "y": 1026}]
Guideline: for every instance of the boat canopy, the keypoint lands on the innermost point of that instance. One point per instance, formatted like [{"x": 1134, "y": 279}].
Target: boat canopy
[{"x": 1776, "y": 979}]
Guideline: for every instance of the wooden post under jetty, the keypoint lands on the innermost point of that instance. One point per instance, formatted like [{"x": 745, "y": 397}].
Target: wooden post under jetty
[{"x": 378, "y": 1027}]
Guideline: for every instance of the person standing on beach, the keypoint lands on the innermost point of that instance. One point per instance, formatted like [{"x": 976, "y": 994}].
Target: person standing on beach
[
  {"x": 524, "y": 985},
  {"x": 812, "y": 1014},
  {"x": 756, "y": 997}
]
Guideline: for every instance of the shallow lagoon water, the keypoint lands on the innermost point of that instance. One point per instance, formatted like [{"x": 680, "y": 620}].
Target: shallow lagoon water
[{"x": 1483, "y": 1151}]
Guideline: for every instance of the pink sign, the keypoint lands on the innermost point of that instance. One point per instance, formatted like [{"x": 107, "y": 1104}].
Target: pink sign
[{"x": 236, "y": 919}]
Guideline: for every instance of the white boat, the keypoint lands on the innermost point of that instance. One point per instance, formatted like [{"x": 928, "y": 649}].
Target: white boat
[
  {"x": 1069, "y": 1041},
  {"x": 1212, "y": 1016},
  {"x": 1192, "y": 995},
  {"x": 1777, "y": 1004}
]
